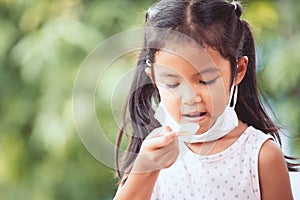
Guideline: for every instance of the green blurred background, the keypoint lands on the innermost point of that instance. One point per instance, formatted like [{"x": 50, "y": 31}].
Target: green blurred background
[{"x": 42, "y": 45}]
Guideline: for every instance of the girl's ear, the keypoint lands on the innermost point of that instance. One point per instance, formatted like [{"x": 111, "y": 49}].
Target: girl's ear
[
  {"x": 241, "y": 69},
  {"x": 149, "y": 72}
]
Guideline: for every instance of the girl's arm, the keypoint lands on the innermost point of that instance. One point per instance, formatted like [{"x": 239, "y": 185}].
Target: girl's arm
[
  {"x": 137, "y": 186},
  {"x": 157, "y": 151},
  {"x": 273, "y": 173}
]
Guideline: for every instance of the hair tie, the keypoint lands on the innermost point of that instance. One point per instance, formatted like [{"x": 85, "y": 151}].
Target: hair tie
[
  {"x": 237, "y": 8},
  {"x": 234, "y": 4}
]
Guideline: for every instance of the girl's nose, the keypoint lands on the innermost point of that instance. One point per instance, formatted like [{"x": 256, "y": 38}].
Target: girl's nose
[{"x": 190, "y": 96}]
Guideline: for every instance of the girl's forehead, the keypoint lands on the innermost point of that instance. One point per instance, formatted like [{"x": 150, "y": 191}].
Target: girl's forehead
[{"x": 198, "y": 59}]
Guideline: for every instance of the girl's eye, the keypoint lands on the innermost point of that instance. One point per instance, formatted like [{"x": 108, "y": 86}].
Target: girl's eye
[
  {"x": 171, "y": 86},
  {"x": 208, "y": 82}
]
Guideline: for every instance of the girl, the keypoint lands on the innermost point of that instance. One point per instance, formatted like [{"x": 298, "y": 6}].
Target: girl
[{"x": 198, "y": 66}]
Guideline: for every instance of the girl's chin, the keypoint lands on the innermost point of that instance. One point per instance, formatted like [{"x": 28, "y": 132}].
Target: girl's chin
[
  {"x": 202, "y": 130},
  {"x": 204, "y": 127}
]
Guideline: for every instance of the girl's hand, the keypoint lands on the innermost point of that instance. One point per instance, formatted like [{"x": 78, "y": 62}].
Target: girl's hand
[{"x": 159, "y": 150}]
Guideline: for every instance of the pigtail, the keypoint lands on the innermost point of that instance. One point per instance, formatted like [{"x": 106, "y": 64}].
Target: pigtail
[
  {"x": 139, "y": 114},
  {"x": 249, "y": 107}
]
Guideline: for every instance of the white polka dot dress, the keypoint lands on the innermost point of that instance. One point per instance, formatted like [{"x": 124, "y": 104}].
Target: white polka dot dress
[{"x": 230, "y": 174}]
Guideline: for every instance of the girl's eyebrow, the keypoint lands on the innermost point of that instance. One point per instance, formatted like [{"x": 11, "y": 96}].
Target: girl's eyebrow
[
  {"x": 209, "y": 70},
  {"x": 167, "y": 74}
]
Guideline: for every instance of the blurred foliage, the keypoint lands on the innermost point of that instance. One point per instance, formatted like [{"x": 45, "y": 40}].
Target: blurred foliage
[
  {"x": 276, "y": 25},
  {"x": 43, "y": 43}
]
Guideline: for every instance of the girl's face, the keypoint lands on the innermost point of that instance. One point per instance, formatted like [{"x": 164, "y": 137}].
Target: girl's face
[{"x": 194, "y": 84}]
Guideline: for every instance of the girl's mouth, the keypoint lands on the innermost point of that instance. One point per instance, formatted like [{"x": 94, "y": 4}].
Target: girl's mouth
[{"x": 195, "y": 117}]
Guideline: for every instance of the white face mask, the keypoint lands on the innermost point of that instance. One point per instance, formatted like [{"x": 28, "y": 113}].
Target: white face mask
[{"x": 226, "y": 122}]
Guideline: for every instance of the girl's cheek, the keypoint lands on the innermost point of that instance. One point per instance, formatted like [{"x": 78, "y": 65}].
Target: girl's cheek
[
  {"x": 171, "y": 101},
  {"x": 219, "y": 98}
]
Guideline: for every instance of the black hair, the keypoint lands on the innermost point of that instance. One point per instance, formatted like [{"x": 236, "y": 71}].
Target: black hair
[{"x": 211, "y": 23}]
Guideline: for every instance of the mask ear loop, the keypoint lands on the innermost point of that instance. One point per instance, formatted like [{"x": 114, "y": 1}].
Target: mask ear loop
[
  {"x": 235, "y": 96},
  {"x": 233, "y": 93},
  {"x": 231, "y": 96}
]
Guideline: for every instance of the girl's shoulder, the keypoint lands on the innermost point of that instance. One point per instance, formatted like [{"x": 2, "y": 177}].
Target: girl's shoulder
[
  {"x": 257, "y": 136},
  {"x": 270, "y": 166},
  {"x": 262, "y": 144},
  {"x": 270, "y": 154},
  {"x": 255, "y": 141},
  {"x": 272, "y": 170}
]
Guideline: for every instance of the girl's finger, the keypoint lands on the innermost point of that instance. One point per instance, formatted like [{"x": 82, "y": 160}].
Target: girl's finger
[
  {"x": 159, "y": 132},
  {"x": 156, "y": 132},
  {"x": 160, "y": 141}
]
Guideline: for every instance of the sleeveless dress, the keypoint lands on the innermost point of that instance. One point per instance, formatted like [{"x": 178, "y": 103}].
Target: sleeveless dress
[{"x": 230, "y": 174}]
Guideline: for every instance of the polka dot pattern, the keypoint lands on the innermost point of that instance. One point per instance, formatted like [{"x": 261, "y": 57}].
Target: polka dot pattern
[{"x": 231, "y": 174}]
